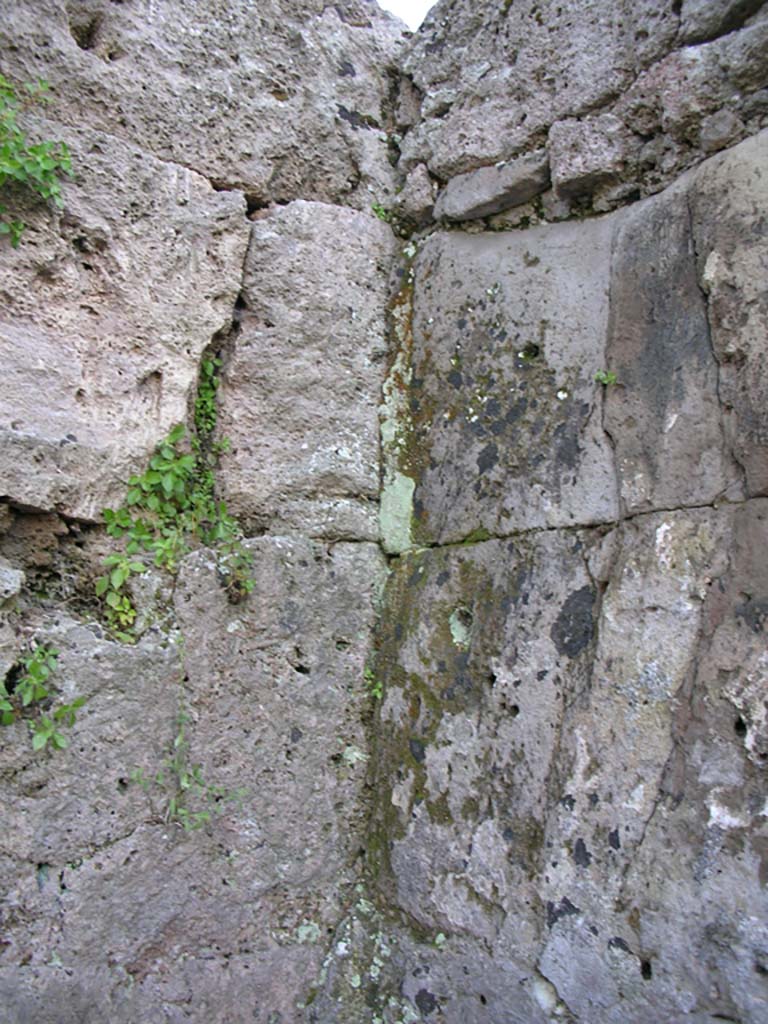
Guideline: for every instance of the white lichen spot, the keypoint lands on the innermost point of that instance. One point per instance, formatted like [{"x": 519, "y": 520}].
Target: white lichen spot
[
  {"x": 460, "y": 623},
  {"x": 352, "y": 756},
  {"x": 562, "y": 394},
  {"x": 545, "y": 994},
  {"x": 723, "y": 817},
  {"x": 308, "y": 932},
  {"x": 635, "y": 800}
]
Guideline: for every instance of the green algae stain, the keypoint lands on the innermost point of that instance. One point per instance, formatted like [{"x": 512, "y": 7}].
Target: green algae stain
[{"x": 396, "y": 512}]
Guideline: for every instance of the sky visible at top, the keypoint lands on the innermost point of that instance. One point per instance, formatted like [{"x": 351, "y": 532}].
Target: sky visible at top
[{"x": 412, "y": 12}]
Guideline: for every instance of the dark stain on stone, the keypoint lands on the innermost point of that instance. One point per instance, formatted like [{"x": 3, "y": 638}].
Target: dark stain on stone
[
  {"x": 488, "y": 458},
  {"x": 296, "y": 734},
  {"x": 425, "y": 1001},
  {"x": 442, "y": 578},
  {"x": 416, "y": 748},
  {"x": 355, "y": 119},
  {"x": 581, "y": 854},
  {"x": 517, "y": 410},
  {"x": 455, "y": 379},
  {"x": 566, "y": 442},
  {"x": 415, "y": 578},
  {"x": 542, "y": 674},
  {"x": 594, "y": 799},
  {"x": 557, "y": 910},
  {"x": 573, "y": 629},
  {"x": 753, "y": 613},
  {"x": 613, "y": 840}
]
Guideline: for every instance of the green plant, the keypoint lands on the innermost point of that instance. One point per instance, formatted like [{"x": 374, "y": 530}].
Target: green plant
[
  {"x": 185, "y": 787},
  {"x": 375, "y": 686},
  {"x": 605, "y": 377},
  {"x": 30, "y": 691},
  {"x": 34, "y": 166},
  {"x": 382, "y": 212},
  {"x": 169, "y": 507},
  {"x": 205, "y": 402}
]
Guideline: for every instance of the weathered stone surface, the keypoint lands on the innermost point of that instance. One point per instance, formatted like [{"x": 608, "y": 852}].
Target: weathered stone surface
[
  {"x": 567, "y": 748},
  {"x": 705, "y": 19},
  {"x": 502, "y": 430},
  {"x": 300, "y": 389},
  {"x": 69, "y": 805},
  {"x": 588, "y": 153},
  {"x": 687, "y": 339},
  {"x": 664, "y": 415},
  {"x": 489, "y": 190},
  {"x": 732, "y": 260},
  {"x": 283, "y": 102},
  {"x": 494, "y": 77},
  {"x": 107, "y": 308},
  {"x": 229, "y": 920},
  {"x": 557, "y": 810},
  {"x": 605, "y": 82},
  {"x": 416, "y": 201}
]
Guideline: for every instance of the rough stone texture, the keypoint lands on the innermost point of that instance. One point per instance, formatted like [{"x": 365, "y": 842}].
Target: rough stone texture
[
  {"x": 665, "y": 415},
  {"x": 732, "y": 259},
  {"x": 299, "y": 397},
  {"x": 229, "y": 920},
  {"x": 704, "y": 19},
  {"x": 489, "y": 190},
  {"x": 571, "y": 783},
  {"x": 502, "y": 431},
  {"x": 415, "y": 202},
  {"x": 556, "y": 811},
  {"x": 612, "y": 88},
  {"x": 106, "y": 311},
  {"x": 284, "y": 101},
  {"x": 588, "y": 153}
]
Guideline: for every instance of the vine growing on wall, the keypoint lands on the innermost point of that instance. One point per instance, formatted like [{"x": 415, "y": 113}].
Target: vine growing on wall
[
  {"x": 35, "y": 167},
  {"x": 171, "y": 507}
]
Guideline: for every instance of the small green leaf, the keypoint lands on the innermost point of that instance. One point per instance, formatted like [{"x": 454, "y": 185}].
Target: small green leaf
[{"x": 39, "y": 740}]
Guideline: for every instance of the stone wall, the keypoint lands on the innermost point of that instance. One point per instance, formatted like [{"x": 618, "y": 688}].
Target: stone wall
[{"x": 503, "y": 461}]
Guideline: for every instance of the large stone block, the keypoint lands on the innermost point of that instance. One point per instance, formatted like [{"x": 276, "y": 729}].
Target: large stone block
[
  {"x": 107, "y": 308},
  {"x": 114, "y": 909},
  {"x": 664, "y": 414},
  {"x": 500, "y": 427},
  {"x": 301, "y": 386},
  {"x": 488, "y": 190},
  {"x": 572, "y": 744},
  {"x": 728, "y": 203},
  {"x": 283, "y": 101}
]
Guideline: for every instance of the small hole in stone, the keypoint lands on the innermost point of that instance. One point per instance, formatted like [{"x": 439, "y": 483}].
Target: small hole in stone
[
  {"x": 740, "y": 727},
  {"x": 85, "y": 33},
  {"x": 122, "y": 785},
  {"x": 514, "y": 710},
  {"x": 483, "y": 1000},
  {"x": 646, "y": 970}
]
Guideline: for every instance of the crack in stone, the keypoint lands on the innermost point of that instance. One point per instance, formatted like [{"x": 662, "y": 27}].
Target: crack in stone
[{"x": 608, "y": 524}]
